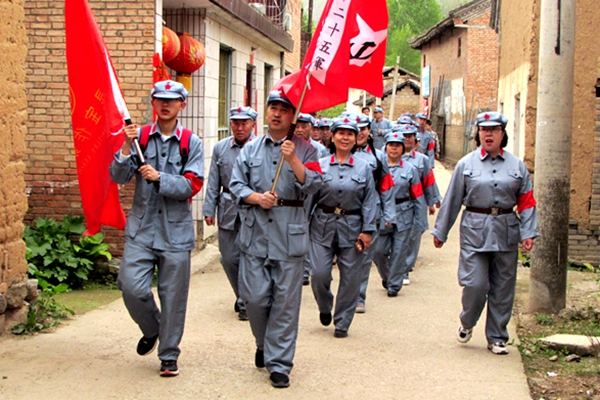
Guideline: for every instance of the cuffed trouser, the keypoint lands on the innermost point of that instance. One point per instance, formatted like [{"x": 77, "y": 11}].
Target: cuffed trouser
[
  {"x": 272, "y": 291},
  {"x": 135, "y": 281},
  {"x": 414, "y": 246},
  {"x": 391, "y": 252},
  {"x": 350, "y": 264},
  {"x": 491, "y": 276},
  {"x": 368, "y": 262},
  {"x": 230, "y": 259}
]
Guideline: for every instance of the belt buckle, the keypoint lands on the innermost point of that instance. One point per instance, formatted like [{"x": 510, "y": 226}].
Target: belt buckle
[
  {"x": 338, "y": 211},
  {"x": 496, "y": 210},
  {"x": 278, "y": 202}
]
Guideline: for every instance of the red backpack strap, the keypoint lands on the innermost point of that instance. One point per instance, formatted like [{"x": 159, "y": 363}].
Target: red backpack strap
[
  {"x": 184, "y": 145},
  {"x": 144, "y": 137}
]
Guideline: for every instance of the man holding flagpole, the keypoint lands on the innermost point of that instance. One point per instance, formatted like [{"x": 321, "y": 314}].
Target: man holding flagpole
[
  {"x": 273, "y": 235},
  {"x": 160, "y": 228}
]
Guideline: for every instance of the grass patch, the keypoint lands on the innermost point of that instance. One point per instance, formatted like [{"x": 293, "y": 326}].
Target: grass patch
[
  {"x": 550, "y": 376},
  {"x": 84, "y": 300}
]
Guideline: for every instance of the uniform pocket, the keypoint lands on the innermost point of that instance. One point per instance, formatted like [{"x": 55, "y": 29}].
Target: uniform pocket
[
  {"x": 513, "y": 231},
  {"x": 255, "y": 167},
  {"x": 297, "y": 236},
  {"x": 471, "y": 232},
  {"x": 245, "y": 234}
]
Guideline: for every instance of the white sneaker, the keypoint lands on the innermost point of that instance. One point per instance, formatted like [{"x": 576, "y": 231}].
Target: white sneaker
[
  {"x": 464, "y": 335},
  {"x": 405, "y": 282},
  {"x": 498, "y": 348}
]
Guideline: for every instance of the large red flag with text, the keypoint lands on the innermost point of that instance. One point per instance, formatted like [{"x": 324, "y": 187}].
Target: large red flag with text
[
  {"x": 347, "y": 51},
  {"x": 97, "y": 114}
]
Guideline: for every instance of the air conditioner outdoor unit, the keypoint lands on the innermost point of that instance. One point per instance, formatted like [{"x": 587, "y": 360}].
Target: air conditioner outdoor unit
[
  {"x": 261, "y": 8},
  {"x": 287, "y": 22}
]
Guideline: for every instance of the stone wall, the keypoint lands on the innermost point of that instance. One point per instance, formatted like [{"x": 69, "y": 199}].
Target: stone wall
[{"x": 13, "y": 201}]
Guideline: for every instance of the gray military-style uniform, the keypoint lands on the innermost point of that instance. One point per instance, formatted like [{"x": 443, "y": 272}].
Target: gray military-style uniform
[
  {"x": 393, "y": 241},
  {"x": 160, "y": 231},
  {"x": 218, "y": 196},
  {"x": 385, "y": 210},
  {"x": 386, "y": 126},
  {"x": 431, "y": 197},
  {"x": 488, "y": 242},
  {"x": 427, "y": 147},
  {"x": 274, "y": 244},
  {"x": 348, "y": 186}
]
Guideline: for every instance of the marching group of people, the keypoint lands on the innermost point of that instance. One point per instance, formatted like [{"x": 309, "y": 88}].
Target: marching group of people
[{"x": 290, "y": 204}]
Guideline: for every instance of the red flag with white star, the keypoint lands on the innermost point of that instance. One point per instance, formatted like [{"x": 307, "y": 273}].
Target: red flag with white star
[
  {"x": 347, "y": 51},
  {"x": 97, "y": 113}
]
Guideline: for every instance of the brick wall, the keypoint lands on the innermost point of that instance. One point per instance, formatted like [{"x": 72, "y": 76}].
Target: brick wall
[
  {"x": 293, "y": 60},
  {"x": 13, "y": 202},
  {"x": 482, "y": 59},
  {"x": 407, "y": 101},
  {"x": 51, "y": 175}
]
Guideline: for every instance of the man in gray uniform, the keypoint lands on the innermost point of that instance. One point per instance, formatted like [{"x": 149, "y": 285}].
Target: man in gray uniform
[
  {"x": 304, "y": 129},
  {"x": 160, "y": 228},
  {"x": 427, "y": 145},
  {"x": 242, "y": 121},
  {"x": 490, "y": 182},
  {"x": 274, "y": 234},
  {"x": 379, "y": 128}
]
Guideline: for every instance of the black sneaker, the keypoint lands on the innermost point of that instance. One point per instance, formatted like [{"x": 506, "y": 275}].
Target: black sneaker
[
  {"x": 384, "y": 283},
  {"x": 259, "y": 358},
  {"x": 236, "y": 307},
  {"x": 392, "y": 294},
  {"x": 168, "y": 368},
  {"x": 325, "y": 318},
  {"x": 305, "y": 281},
  {"x": 279, "y": 380},
  {"x": 243, "y": 315},
  {"x": 147, "y": 345},
  {"x": 340, "y": 333}
]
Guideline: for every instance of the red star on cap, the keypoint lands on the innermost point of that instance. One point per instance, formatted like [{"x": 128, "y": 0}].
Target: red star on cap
[
  {"x": 239, "y": 109},
  {"x": 486, "y": 116},
  {"x": 346, "y": 120},
  {"x": 407, "y": 128},
  {"x": 395, "y": 135},
  {"x": 168, "y": 86}
]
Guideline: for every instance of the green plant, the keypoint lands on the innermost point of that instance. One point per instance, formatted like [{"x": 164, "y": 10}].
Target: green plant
[
  {"x": 525, "y": 260},
  {"x": 45, "y": 312},
  {"x": 56, "y": 252}
]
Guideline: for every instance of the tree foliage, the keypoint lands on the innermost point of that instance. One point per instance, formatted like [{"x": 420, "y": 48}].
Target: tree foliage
[{"x": 409, "y": 18}]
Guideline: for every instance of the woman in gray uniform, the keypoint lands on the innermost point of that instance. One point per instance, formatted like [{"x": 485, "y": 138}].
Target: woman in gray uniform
[
  {"x": 393, "y": 241},
  {"x": 342, "y": 225},
  {"x": 490, "y": 182}
]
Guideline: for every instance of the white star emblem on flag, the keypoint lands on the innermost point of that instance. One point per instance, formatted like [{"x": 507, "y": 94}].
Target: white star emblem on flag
[{"x": 365, "y": 43}]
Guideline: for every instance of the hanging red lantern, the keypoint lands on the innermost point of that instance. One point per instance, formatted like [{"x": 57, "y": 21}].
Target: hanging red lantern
[
  {"x": 190, "y": 58},
  {"x": 170, "y": 44}
]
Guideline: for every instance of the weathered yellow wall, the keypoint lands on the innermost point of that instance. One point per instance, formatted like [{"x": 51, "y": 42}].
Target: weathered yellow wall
[{"x": 13, "y": 201}]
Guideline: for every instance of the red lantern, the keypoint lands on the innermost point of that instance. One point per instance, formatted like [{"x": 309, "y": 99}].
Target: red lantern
[
  {"x": 170, "y": 44},
  {"x": 190, "y": 58}
]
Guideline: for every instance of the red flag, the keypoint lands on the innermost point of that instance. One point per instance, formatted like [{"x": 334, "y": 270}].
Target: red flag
[
  {"x": 349, "y": 52},
  {"x": 97, "y": 114}
]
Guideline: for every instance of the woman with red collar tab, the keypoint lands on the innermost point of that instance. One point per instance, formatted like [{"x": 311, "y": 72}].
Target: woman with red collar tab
[
  {"x": 391, "y": 251},
  {"x": 342, "y": 225},
  {"x": 490, "y": 182}
]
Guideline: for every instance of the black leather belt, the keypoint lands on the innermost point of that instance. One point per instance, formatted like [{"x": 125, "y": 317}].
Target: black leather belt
[
  {"x": 402, "y": 200},
  {"x": 339, "y": 211},
  {"x": 225, "y": 190},
  {"x": 288, "y": 203},
  {"x": 490, "y": 211}
]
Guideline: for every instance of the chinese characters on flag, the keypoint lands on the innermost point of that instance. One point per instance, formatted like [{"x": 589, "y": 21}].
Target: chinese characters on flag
[
  {"x": 97, "y": 114},
  {"x": 349, "y": 52}
]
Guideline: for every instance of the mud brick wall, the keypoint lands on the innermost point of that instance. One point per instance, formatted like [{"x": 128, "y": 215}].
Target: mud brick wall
[{"x": 13, "y": 202}]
